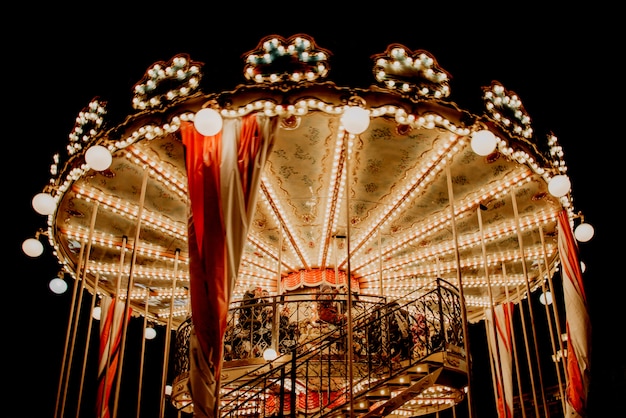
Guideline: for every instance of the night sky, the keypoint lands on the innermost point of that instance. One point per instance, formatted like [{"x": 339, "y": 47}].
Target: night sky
[{"x": 562, "y": 64}]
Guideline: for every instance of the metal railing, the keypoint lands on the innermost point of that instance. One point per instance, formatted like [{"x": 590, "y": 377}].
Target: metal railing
[{"x": 312, "y": 373}]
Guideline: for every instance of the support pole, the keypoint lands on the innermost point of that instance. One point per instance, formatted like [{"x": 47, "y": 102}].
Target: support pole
[
  {"x": 349, "y": 276},
  {"x": 143, "y": 350},
  {"x": 518, "y": 374},
  {"x": 87, "y": 339},
  {"x": 530, "y": 312},
  {"x": 168, "y": 331},
  {"x": 494, "y": 349},
  {"x": 79, "y": 287},
  {"x": 61, "y": 403},
  {"x": 110, "y": 342},
  {"x": 466, "y": 342},
  {"x": 556, "y": 346},
  {"x": 129, "y": 289}
]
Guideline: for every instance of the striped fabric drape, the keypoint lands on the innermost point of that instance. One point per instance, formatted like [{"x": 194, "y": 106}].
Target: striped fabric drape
[
  {"x": 499, "y": 331},
  {"x": 223, "y": 174},
  {"x": 317, "y": 277},
  {"x": 577, "y": 321},
  {"x": 306, "y": 401},
  {"x": 111, "y": 316}
]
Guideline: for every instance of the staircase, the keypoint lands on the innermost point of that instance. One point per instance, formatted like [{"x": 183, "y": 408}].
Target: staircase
[{"x": 317, "y": 377}]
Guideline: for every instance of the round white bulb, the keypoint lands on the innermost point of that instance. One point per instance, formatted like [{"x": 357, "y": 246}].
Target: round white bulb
[
  {"x": 269, "y": 354},
  {"x": 208, "y": 122},
  {"x": 545, "y": 298},
  {"x": 32, "y": 247},
  {"x": 355, "y": 119},
  {"x": 584, "y": 232},
  {"x": 97, "y": 313},
  {"x": 44, "y": 203},
  {"x": 57, "y": 285},
  {"x": 483, "y": 142},
  {"x": 559, "y": 185},
  {"x": 583, "y": 267},
  {"x": 98, "y": 157},
  {"x": 149, "y": 333}
]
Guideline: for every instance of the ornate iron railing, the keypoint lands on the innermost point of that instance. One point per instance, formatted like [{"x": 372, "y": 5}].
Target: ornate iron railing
[{"x": 313, "y": 373}]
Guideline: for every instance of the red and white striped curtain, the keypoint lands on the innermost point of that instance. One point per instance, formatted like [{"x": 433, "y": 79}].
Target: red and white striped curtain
[
  {"x": 111, "y": 316},
  {"x": 315, "y": 278},
  {"x": 223, "y": 173},
  {"x": 499, "y": 333},
  {"x": 577, "y": 321},
  {"x": 306, "y": 401}
]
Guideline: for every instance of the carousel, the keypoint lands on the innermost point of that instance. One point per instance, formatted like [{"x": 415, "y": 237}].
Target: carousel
[{"x": 310, "y": 249}]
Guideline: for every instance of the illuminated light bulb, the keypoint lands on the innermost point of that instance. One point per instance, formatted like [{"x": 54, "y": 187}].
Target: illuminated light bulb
[
  {"x": 355, "y": 119},
  {"x": 149, "y": 333},
  {"x": 483, "y": 142},
  {"x": 32, "y": 247},
  {"x": 57, "y": 285},
  {"x": 545, "y": 298},
  {"x": 98, "y": 158},
  {"x": 559, "y": 185},
  {"x": 208, "y": 122},
  {"x": 44, "y": 203},
  {"x": 270, "y": 354},
  {"x": 97, "y": 313},
  {"x": 584, "y": 232}
]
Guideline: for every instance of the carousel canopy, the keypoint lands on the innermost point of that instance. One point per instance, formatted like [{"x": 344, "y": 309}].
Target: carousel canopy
[{"x": 418, "y": 189}]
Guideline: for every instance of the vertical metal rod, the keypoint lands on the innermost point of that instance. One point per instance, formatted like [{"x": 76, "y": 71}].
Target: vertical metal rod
[
  {"x": 528, "y": 360},
  {"x": 275, "y": 343},
  {"x": 292, "y": 395},
  {"x": 281, "y": 397},
  {"x": 279, "y": 285},
  {"x": 143, "y": 349},
  {"x": 492, "y": 362},
  {"x": 87, "y": 338},
  {"x": 335, "y": 261},
  {"x": 348, "y": 274},
  {"x": 79, "y": 303},
  {"x": 518, "y": 374},
  {"x": 113, "y": 330},
  {"x": 495, "y": 360},
  {"x": 557, "y": 347},
  {"x": 530, "y": 310},
  {"x": 466, "y": 341},
  {"x": 168, "y": 331},
  {"x": 553, "y": 344},
  {"x": 554, "y": 305},
  {"x": 78, "y": 297},
  {"x": 68, "y": 335},
  {"x": 129, "y": 289},
  {"x": 381, "y": 290}
]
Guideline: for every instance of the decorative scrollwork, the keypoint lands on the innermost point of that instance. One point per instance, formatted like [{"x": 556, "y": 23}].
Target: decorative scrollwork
[
  {"x": 415, "y": 73},
  {"x": 507, "y": 109},
  {"x": 88, "y": 123},
  {"x": 167, "y": 81},
  {"x": 295, "y": 59}
]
